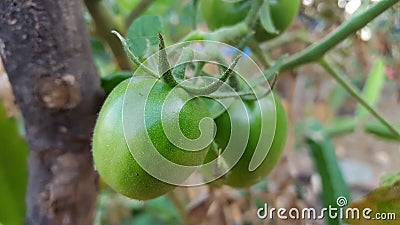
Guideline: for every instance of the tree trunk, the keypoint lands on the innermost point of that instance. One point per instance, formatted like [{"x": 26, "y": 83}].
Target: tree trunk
[{"x": 46, "y": 53}]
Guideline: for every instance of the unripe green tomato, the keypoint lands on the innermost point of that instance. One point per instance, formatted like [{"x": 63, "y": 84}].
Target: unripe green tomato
[
  {"x": 112, "y": 157},
  {"x": 219, "y": 13},
  {"x": 240, "y": 176}
]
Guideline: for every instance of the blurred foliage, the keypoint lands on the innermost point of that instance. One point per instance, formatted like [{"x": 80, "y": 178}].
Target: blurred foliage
[
  {"x": 373, "y": 87},
  {"x": 380, "y": 131},
  {"x": 326, "y": 163},
  {"x": 115, "y": 209},
  {"x": 13, "y": 171},
  {"x": 390, "y": 179},
  {"x": 384, "y": 205}
]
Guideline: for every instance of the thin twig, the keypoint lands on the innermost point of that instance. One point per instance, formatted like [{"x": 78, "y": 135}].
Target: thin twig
[
  {"x": 353, "y": 92},
  {"x": 252, "y": 15},
  {"x": 141, "y": 7},
  {"x": 216, "y": 84},
  {"x": 258, "y": 52}
]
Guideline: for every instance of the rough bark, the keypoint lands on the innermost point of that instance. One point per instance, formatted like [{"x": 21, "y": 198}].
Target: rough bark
[{"x": 46, "y": 53}]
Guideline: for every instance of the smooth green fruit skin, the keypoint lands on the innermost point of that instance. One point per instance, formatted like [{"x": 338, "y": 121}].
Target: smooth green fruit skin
[
  {"x": 112, "y": 157},
  {"x": 239, "y": 176},
  {"x": 219, "y": 13}
]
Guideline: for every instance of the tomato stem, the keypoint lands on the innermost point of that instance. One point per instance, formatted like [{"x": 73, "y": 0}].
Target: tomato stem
[
  {"x": 315, "y": 51},
  {"x": 216, "y": 84},
  {"x": 229, "y": 34},
  {"x": 252, "y": 15},
  {"x": 354, "y": 92},
  {"x": 233, "y": 80},
  {"x": 250, "y": 96},
  {"x": 272, "y": 72},
  {"x": 258, "y": 52},
  {"x": 141, "y": 7},
  {"x": 104, "y": 21}
]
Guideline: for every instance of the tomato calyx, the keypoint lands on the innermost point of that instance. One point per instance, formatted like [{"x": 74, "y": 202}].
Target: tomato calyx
[
  {"x": 172, "y": 76},
  {"x": 168, "y": 76},
  {"x": 164, "y": 68},
  {"x": 132, "y": 56},
  {"x": 209, "y": 89}
]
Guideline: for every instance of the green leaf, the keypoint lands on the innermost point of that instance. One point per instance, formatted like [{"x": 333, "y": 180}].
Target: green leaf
[
  {"x": 390, "y": 179},
  {"x": 373, "y": 87},
  {"x": 384, "y": 200},
  {"x": 336, "y": 98},
  {"x": 325, "y": 162},
  {"x": 13, "y": 171},
  {"x": 109, "y": 82},
  {"x": 266, "y": 18},
  {"x": 340, "y": 126},
  {"x": 142, "y": 34},
  {"x": 379, "y": 130}
]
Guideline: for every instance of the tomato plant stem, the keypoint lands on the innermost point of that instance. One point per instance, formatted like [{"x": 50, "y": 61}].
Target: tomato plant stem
[
  {"x": 229, "y": 34},
  {"x": 216, "y": 84},
  {"x": 105, "y": 21},
  {"x": 353, "y": 92},
  {"x": 258, "y": 52},
  {"x": 137, "y": 11},
  {"x": 302, "y": 36},
  {"x": 316, "y": 51},
  {"x": 252, "y": 15}
]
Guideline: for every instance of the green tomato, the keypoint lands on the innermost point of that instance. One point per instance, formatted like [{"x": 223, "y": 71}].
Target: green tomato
[
  {"x": 240, "y": 176},
  {"x": 114, "y": 159},
  {"x": 219, "y": 13}
]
